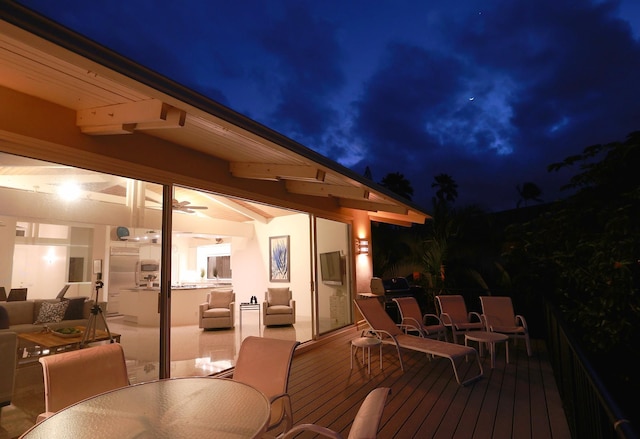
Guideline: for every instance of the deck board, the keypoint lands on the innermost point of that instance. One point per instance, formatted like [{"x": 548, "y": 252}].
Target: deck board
[{"x": 519, "y": 399}]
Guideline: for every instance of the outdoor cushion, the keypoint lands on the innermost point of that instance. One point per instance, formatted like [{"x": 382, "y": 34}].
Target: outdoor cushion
[
  {"x": 278, "y": 296},
  {"x": 51, "y": 312}
]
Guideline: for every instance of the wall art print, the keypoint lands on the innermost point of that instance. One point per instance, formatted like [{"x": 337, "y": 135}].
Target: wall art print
[{"x": 279, "y": 259}]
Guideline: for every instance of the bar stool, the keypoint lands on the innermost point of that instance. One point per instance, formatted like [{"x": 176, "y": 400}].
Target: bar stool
[{"x": 365, "y": 343}]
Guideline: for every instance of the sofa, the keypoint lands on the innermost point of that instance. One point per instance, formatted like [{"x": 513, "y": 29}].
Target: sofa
[{"x": 34, "y": 315}]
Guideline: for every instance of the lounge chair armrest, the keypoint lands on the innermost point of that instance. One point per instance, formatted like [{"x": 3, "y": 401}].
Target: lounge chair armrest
[
  {"x": 426, "y": 317},
  {"x": 522, "y": 321},
  {"x": 310, "y": 427},
  {"x": 446, "y": 319},
  {"x": 203, "y": 307},
  {"x": 476, "y": 315},
  {"x": 407, "y": 327}
]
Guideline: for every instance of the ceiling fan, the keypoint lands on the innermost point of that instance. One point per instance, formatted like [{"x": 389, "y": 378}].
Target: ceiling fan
[{"x": 185, "y": 206}]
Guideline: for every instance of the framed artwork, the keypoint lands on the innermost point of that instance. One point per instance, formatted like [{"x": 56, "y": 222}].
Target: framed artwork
[{"x": 279, "y": 259}]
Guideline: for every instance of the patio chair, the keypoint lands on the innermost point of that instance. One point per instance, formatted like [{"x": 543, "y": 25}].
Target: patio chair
[
  {"x": 499, "y": 316},
  {"x": 454, "y": 315},
  {"x": 426, "y": 325},
  {"x": 365, "y": 424},
  {"x": 17, "y": 295},
  {"x": 72, "y": 376},
  {"x": 264, "y": 363},
  {"x": 385, "y": 329}
]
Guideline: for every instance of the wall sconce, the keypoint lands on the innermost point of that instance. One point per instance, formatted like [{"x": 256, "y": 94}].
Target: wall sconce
[{"x": 362, "y": 246}]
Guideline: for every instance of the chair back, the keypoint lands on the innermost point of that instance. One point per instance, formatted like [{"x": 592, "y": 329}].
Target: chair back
[
  {"x": 9, "y": 349},
  {"x": 454, "y": 307},
  {"x": 3, "y": 294},
  {"x": 376, "y": 316},
  {"x": 265, "y": 363},
  {"x": 367, "y": 420},
  {"x": 498, "y": 310},
  {"x": 17, "y": 294},
  {"x": 72, "y": 376},
  {"x": 409, "y": 309}
]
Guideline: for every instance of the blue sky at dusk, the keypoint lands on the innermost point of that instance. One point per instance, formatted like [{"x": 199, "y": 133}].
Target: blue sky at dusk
[{"x": 489, "y": 92}]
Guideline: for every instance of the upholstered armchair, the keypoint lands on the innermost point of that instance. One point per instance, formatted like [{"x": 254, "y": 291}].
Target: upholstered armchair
[
  {"x": 218, "y": 311},
  {"x": 278, "y": 308}
]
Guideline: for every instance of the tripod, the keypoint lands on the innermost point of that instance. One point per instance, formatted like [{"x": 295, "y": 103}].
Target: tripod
[{"x": 90, "y": 330}]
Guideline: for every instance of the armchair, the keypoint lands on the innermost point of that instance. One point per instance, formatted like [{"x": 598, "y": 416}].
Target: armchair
[
  {"x": 218, "y": 311},
  {"x": 278, "y": 307}
]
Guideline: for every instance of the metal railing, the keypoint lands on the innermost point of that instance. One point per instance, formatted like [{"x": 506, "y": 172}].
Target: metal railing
[{"x": 590, "y": 409}]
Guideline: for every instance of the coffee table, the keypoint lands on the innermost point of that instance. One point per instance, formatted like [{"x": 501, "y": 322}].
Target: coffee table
[{"x": 47, "y": 343}]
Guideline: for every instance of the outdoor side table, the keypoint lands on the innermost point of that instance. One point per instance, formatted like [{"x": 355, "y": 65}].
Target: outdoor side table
[
  {"x": 366, "y": 343},
  {"x": 491, "y": 338}
]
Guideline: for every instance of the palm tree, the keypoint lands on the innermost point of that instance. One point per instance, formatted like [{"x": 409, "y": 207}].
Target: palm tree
[
  {"x": 397, "y": 183},
  {"x": 529, "y": 191},
  {"x": 447, "y": 188}
]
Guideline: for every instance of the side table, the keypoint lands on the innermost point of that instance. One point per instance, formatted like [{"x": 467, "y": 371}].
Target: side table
[
  {"x": 490, "y": 338},
  {"x": 365, "y": 343},
  {"x": 251, "y": 307}
]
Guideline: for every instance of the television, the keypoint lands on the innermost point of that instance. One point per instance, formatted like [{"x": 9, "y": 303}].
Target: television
[{"x": 332, "y": 268}]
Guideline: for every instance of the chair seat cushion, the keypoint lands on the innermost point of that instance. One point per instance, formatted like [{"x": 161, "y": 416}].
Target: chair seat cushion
[
  {"x": 217, "y": 312},
  {"x": 279, "y": 309}
]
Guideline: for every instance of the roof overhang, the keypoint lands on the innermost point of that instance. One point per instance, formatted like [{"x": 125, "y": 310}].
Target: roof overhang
[{"x": 113, "y": 98}]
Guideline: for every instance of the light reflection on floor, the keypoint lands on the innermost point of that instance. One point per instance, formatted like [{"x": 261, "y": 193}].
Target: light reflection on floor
[{"x": 194, "y": 352}]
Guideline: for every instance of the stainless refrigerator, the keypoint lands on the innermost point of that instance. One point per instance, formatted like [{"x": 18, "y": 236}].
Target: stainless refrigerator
[{"x": 122, "y": 275}]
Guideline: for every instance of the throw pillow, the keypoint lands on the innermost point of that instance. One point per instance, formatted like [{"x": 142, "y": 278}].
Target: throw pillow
[
  {"x": 51, "y": 312},
  {"x": 75, "y": 308}
]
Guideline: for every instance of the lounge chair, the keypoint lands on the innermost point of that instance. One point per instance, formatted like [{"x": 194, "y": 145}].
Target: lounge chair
[
  {"x": 427, "y": 325},
  {"x": 498, "y": 314},
  {"x": 454, "y": 315},
  {"x": 385, "y": 329},
  {"x": 365, "y": 425}
]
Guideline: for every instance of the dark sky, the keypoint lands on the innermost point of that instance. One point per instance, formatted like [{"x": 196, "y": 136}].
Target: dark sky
[{"x": 489, "y": 92}]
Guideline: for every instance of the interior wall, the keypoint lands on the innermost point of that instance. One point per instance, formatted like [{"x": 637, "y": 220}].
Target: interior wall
[
  {"x": 256, "y": 276},
  {"x": 7, "y": 241}
]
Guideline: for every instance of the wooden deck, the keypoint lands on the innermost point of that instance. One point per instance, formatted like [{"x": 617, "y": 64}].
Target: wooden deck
[{"x": 515, "y": 400}]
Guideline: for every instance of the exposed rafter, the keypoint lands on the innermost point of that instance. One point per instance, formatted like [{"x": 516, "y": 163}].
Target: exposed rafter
[
  {"x": 126, "y": 118},
  {"x": 373, "y": 206},
  {"x": 274, "y": 172},
  {"x": 326, "y": 190}
]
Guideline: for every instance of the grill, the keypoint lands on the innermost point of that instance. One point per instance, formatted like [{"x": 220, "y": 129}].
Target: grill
[{"x": 394, "y": 288}]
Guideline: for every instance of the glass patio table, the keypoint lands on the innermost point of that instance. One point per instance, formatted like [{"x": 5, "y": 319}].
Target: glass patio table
[{"x": 193, "y": 407}]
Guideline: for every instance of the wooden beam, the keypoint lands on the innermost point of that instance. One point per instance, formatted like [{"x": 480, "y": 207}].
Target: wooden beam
[
  {"x": 273, "y": 172},
  {"x": 124, "y": 118},
  {"x": 373, "y": 206},
  {"x": 326, "y": 190}
]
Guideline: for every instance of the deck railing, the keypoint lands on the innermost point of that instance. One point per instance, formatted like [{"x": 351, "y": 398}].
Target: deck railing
[{"x": 590, "y": 409}]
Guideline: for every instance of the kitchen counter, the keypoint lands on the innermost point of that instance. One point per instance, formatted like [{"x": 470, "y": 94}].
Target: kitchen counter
[{"x": 140, "y": 305}]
